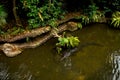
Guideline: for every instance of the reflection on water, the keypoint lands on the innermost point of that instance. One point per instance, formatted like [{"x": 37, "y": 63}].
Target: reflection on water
[
  {"x": 116, "y": 65},
  {"x": 111, "y": 71},
  {"x": 67, "y": 63},
  {"x": 92, "y": 61},
  {"x": 22, "y": 74},
  {"x": 4, "y": 75}
]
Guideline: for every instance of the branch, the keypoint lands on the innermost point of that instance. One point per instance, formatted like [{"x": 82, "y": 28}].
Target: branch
[
  {"x": 12, "y": 49},
  {"x": 17, "y": 19},
  {"x": 38, "y": 31},
  {"x": 30, "y": 33}
]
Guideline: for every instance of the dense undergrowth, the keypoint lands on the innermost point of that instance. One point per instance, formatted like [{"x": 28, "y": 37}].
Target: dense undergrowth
[{"x": 41, "y": 13}]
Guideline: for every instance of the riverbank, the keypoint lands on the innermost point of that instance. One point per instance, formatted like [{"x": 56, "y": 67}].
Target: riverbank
[{"x": 40, "y": 35}]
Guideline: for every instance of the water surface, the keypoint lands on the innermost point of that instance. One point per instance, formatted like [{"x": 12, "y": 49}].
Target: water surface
[{"x": 91, "y": 62}]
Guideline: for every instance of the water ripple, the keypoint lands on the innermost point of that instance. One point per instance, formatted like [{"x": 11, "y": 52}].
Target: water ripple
[
  {"x": 21, "y": 74},
  {"x": 115, "y": 62}
]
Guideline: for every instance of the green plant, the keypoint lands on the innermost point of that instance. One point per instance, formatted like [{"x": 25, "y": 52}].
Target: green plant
[
  {"x": 115, "y": 4},
  {"x": 42, "y": 13},
  {"x": 85, "y": 19},
  {"x": 14, "y": 30},
  {"x": 3, "y": 16},
  {"x": 79, "y": 25},
  {"x": 62, "y": 41},
  {"x": 93, "y": 13},
  {"x": 106, "y": 10},
  {"x": 92, "y": 9},
  {"x": 116, "y": 19},
  {"x": 96, "y": 17},
  {"x": 67, "y": 42},
  {"x": 73, "y": 41}
]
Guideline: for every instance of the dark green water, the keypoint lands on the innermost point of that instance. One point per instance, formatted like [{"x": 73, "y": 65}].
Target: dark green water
[{"x": 91, "y": 62}]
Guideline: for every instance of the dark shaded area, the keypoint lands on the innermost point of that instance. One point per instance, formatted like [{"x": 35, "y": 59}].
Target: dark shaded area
[
  {"x": 8, "y": 5},
  {"x": 72, "y": 5},
  {"x": 69, "y": 5}
]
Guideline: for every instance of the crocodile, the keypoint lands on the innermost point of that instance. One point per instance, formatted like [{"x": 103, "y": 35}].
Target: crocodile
[{"x": 70, "y": 51}]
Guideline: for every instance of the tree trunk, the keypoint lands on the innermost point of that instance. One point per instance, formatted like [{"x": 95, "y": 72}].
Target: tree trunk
[{"x": 17, "y": 19}]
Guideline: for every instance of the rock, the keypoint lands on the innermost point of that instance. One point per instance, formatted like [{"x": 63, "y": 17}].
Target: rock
[
  {"x": 72, "y": 26},
  {"x": 11, "y": 50}
]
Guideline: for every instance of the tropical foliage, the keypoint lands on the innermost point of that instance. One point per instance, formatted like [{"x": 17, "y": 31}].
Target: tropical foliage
[
  {"x": 79, "y": 25},
  {"x": 67, "y": 42},
  {"x": 93, "y": 13},
  {"x": 3, "y": 16},
  {"x": 85, "y": 19},
  {"x": 116, "y": 19},
  {"x": 46, "y": 12},
  {"x": 42, "y": 13}
]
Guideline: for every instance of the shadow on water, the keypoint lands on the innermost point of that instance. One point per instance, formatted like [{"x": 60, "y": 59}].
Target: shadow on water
[{"x": 97, "y": 58}]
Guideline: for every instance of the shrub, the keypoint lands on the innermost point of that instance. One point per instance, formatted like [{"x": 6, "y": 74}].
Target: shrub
[
  {"x": 85, "y": 19},
  {"x": 67, "y": 42},
  {"x": 93, "y": 13},
  {"x": 116, "y": 19},
  {"x": 3, "y": 16},
  {"x": 43, "y": 13}
]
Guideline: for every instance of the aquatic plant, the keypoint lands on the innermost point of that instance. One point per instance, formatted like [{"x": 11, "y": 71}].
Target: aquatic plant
[
  {"x": 62, "y": 41},
  {"x": 73, "y": 41},
  {"x": 3, "y": 16},
  {"x": 67, "y": 42},
  {"x": 116, "y": 19}
]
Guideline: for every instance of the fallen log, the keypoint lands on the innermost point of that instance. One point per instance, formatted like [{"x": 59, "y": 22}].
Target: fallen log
[
  {"x": 13, "y": 49},
  {"x": 30, "y": 33},
  {"x": 37, "y": 31}
]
